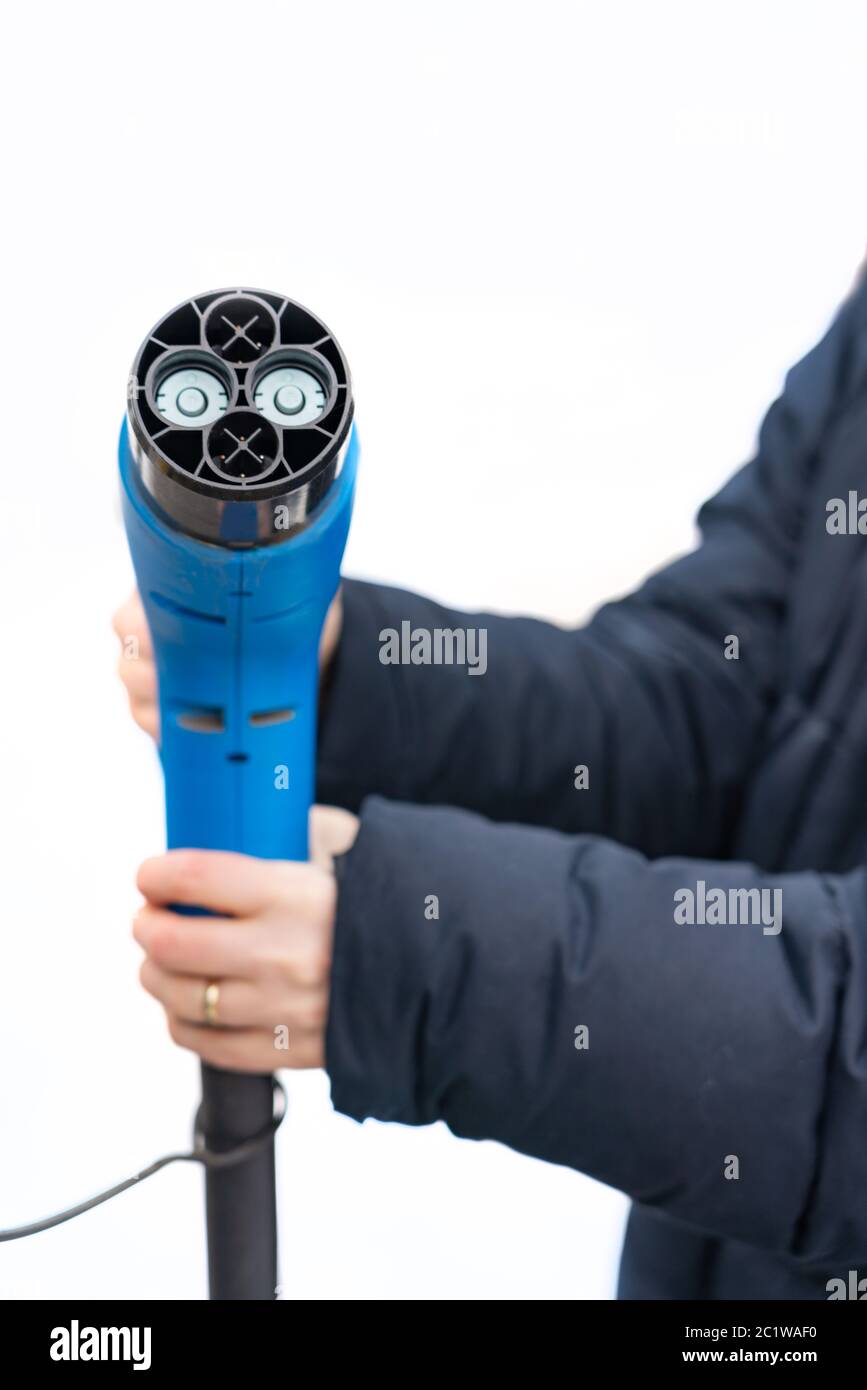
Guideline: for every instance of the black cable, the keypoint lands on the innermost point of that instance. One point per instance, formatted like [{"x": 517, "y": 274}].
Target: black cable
[{"x": 199, "y": 1153}]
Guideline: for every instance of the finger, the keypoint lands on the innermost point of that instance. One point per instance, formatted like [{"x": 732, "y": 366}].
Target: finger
[
  {"x": 130, "y": 622},
  {"x": 204, "y": 946},
  {"x": 331, "y": 631},
  {"x": 139, "y": 677},
  {"x": 246, "y": 1049},
  {"x": 146, "y": 716},
  {"x": 235, "y": 884},
  {"x": 239, "y": 1004},
  {"x": 332, "y": 832}
]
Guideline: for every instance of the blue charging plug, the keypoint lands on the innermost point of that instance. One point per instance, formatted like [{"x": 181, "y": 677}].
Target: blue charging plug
[{"x": 238, "y": 463}]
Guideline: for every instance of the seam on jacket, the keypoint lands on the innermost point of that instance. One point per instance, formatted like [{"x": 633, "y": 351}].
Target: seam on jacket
[{"x": 841, "y": 920}]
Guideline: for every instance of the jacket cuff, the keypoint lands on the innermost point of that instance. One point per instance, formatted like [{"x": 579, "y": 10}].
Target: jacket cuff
[
  {"x": 425, "y": 964},
  {"x": 383, "y": 956}
]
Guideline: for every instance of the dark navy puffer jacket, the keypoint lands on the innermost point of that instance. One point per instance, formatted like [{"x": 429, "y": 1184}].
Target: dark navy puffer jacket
[{"x": 723, "y": 1080}]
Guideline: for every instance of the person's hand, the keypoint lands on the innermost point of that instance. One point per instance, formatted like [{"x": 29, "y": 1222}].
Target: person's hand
[
  {"x": 264, "y": 957},
  {"x": 136, "y": 663}
]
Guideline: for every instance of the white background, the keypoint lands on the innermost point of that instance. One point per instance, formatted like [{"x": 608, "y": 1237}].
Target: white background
[{"x": 569, "y": 251}]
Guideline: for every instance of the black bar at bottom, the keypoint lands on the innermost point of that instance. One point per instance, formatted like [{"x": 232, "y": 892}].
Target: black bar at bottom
[
  {"x": 240, "y": 1201},
  {"x": 196, "y": 1341}
]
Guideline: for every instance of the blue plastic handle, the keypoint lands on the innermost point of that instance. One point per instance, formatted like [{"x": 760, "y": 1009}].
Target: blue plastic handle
[{"x": 236, "y": 639}]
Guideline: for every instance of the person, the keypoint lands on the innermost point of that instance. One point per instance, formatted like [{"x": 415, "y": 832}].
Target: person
[{"x": 606, "y": 902}]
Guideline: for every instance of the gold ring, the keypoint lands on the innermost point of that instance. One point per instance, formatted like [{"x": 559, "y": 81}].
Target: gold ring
[{"x": 210, "y": 1001}]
